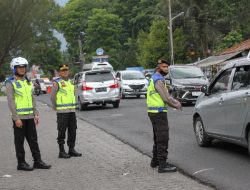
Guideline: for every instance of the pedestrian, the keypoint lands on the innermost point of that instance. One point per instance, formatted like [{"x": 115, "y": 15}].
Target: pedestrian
[
  {"x": 25, "y": 118},
  {"x": 64, "y": 102},
  {"x": 158, "y": 100}
]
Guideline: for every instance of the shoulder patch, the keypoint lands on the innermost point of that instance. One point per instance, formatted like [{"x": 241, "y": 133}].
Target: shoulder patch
[{"x": 58, "y": 79}]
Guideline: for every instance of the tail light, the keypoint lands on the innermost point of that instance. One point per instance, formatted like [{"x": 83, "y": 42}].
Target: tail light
[
  {"x": 86, "y": 88},
  {"x": 114, "y": 85}
]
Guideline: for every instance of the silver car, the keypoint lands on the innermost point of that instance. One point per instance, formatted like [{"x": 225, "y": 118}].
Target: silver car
[
  {"x": 97, "y": 87},
  {"x": 223, "y": 110}
]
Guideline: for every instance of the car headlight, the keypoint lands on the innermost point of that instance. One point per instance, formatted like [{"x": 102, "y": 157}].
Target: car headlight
[{"x": 178, "y": 87}]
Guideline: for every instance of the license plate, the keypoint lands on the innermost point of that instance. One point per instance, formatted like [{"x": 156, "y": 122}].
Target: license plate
[
  {"x": 101, "y": 89},
  {"x": 196, "y": 93}
]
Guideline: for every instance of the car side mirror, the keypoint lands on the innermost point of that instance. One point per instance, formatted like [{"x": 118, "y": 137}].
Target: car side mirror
[{"x": 204, "y": 89}]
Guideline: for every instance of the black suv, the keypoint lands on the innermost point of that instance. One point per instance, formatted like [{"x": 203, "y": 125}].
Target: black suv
[{"x": 185, "y": 82}]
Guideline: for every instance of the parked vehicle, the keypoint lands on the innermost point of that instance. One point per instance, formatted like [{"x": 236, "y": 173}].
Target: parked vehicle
[
  {"x": 185, "y": 82},
  {"x": 97, "y": 66},
  {"x": 41, "y": 84},
  {"x": 97, "y": 87},
  {"x": 223, "y": 110},
  {"x": 132, "y": 83}
]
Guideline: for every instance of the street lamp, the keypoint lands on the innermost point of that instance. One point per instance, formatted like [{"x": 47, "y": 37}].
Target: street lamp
[{"x": 171, "y": 30}]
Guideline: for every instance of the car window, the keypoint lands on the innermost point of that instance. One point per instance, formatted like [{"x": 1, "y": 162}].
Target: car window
[
  {"x": 241, "y": 78},
  {"x": 133, "y": 76},
  {"x": 98, "y": 77},
  {"x": 222, "y": 83},
  {"x": 186, "y": 72}
]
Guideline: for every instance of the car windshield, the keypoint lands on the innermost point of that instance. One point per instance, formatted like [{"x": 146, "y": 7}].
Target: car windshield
[
  {"x": 132, "y": 76},
  {"x": 98, "y": 77},
  {"x": 186, "y": 72}
]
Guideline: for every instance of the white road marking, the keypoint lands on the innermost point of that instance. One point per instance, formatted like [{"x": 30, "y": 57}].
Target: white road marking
[
  {"x": 204, "y": 170},
  {"x": 7, "y": 175}
]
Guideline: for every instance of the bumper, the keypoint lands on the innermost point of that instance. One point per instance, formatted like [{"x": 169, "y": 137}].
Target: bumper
[
  {"x": 134, "y": 92},
  {"x": 100, "y": 101},
  {"x": 185, "y": 96}
]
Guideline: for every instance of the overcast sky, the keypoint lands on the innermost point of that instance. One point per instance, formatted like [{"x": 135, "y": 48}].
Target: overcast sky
[
  {"x": 61, "y": 2},
  {"x": 59, "y": 35}
]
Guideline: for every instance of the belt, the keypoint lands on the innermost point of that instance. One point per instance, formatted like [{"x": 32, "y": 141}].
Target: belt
[{"x": 160, "y": 109}]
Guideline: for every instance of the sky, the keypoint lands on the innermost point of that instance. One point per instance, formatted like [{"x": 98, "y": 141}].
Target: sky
[
  {"x": 61, "y": 2},
  {"x": 57, "y": 34}
]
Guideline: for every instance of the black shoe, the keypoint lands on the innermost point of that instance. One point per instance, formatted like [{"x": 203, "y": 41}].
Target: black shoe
[
  {"x": 63, "y": 155},
  {"x": 24, "y": 166},
  {"x": 154, "y": 163},
  {"x": 41, "y": 165},
  {"x": 74, "y": 153},
  {"x": 165, "y": 167}
]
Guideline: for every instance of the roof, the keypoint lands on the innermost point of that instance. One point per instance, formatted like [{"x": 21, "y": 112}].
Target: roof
[
  {"x": 245, "y": 45},
  {"x": 213, "y": 60}
]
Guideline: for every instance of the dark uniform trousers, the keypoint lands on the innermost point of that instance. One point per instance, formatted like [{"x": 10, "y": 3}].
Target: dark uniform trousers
[
  {"x": 27, "y": 131},
  {"x": 161, "y": 135},
  {"x": 66, "y": 121}
]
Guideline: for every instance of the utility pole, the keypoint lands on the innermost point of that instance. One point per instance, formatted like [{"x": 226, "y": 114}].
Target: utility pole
[
  {"x": 170, "y": 27},
  {"x": 81, "y": 54},
  {"x": 171, "y": 33}
]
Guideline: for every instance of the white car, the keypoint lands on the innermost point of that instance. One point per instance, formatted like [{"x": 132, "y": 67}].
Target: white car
[
  {"x": 97, "y": 87},
  {"x": 132, "y": 83}
]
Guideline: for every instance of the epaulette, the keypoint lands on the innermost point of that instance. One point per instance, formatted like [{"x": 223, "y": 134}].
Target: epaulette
[
  {"x": 10, "y": 79},
  {"x": 58, "y": 79}
]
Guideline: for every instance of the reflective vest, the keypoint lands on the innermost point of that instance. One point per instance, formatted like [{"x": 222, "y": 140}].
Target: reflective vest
[
  {"x": 23, "y": 96},
  {"x": 155, "y": 103},
  {"x": 65, "y": 97}
]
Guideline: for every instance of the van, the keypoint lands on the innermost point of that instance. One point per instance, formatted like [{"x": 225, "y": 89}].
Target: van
[{"x": 97, "y": 66}]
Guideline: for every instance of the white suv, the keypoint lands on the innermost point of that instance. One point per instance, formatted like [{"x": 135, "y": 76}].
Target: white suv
[
  {"x": 97, "y": 87},
  {"x": 132, "y": 83}
]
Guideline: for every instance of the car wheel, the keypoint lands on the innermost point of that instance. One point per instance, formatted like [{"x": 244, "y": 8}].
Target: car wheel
[
  {"x": 82, "y": 106},
  {"x": 116, "y": 104},
  {"x": 249, "y": 142},
  {"x": 201, "y": 136}
]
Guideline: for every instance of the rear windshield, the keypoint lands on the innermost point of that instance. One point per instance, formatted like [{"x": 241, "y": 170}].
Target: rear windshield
[
  {"x": 98, "y": 77},
  {"x": 186, "y": 72},
  {"x": 132, "y": 76}
]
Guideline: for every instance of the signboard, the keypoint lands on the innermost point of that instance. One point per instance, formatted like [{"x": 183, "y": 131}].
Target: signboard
[{"x": 99, "y": 51}]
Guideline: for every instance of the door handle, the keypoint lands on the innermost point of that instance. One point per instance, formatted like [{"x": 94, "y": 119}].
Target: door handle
[{"x": 221, "y": 100}]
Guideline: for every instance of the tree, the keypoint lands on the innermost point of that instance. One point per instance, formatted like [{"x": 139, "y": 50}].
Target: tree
[
  {"x": 20, "y": 21},
  {"x": 104, "y": 30},
  {"x": 153, "y": 45}
]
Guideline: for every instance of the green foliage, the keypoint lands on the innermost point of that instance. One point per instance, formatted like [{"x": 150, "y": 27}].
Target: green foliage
[
  {"x": 229, "y": 40},
  {"x": 25, "y": 29},
  {"x": 153, "y": 45}
]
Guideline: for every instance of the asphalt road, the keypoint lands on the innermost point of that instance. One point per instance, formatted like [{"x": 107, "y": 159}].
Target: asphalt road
[{"x": 223, "y": 165}]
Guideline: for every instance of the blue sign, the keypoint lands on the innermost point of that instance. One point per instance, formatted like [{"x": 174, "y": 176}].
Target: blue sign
[{"x": 99, "y": 51}]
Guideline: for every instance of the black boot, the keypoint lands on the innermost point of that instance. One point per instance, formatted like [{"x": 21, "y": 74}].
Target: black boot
[
  {"x": 24, "y": 166},
  {"x": 74, "y": 153},
  {"x": 154, "y": 163},
  {"x": 39, "y": 164},
  {"x": 165, "y": 167},
  {"x": 62, "y": 153}
]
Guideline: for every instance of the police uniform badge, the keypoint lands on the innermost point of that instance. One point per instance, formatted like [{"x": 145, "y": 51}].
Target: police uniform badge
[
  {"x": 18, "y": 85},
  {"x": 63, "y": 84}
]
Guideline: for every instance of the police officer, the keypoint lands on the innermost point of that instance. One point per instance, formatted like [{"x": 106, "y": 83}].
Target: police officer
[
  {"x": 158, "y": 100},
  {"x": 64, "y": 102},
  {"x": 24, "y": 115}
]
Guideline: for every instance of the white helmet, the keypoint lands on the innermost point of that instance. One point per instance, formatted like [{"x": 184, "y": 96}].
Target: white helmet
[{"x": 18, "y": 61}]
